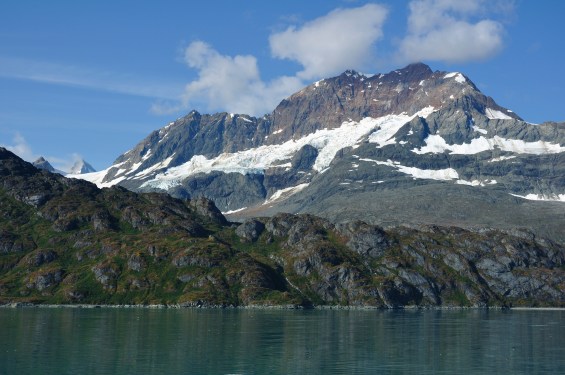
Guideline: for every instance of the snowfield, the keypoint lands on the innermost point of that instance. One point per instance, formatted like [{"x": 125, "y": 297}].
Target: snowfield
[
  {"x": 436, "y": 144},
  {"x": 255, "y": 161}
]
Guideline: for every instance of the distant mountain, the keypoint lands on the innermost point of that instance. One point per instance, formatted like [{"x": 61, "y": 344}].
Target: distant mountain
[
  {"x": 64, "y": 241},
  {"x": 81, "y": 167},
  {"x": 412, "y": 146},
  {"x": 41, "y": 163}
]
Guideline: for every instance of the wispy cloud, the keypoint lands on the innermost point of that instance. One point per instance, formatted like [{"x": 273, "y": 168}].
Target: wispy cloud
[{"x": 70, "y": 75}]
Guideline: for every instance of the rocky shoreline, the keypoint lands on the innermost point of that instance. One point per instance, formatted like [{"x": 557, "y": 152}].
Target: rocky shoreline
[{"x": 24, "y": 305}]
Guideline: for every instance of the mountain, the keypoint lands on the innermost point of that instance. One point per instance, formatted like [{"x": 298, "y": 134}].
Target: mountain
[
  {"x": 411, "y": 146},
  {"x": 41, "y": 163},
  {"x": 81, "y": 167},
  {"x": 65, "y": 241}
]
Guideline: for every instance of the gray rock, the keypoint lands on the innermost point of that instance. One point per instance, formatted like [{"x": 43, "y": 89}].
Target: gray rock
[
  {"x": 107, "y": 275},
  {"x": 46, "y": 280},
  {"x": 250, "y": 230},
  {"x": 39, "y": 258},
  {"x": 367, "y": 240},
  {"x": 304, "y": 159},
  {"x": 136, "y": 262}
]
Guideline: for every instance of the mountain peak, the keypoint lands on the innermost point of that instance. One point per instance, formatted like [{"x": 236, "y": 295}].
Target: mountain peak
[
  {"x": 352, "y": 73},
  {"x": 41, "y": 163},
  {"x": 415, "y": 71},
  {"x": 81, "y": 167}
]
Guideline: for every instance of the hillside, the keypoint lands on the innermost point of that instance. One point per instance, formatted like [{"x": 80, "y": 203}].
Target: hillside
[{"x": 65, "y": 241}]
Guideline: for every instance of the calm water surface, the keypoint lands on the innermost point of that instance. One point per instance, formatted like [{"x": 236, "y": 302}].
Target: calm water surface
[{"x": 145, "y": 341}]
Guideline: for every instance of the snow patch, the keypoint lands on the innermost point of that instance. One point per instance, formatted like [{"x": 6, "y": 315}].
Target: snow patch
[
  {"x": 476, "y": 182},
  {"x": 165, "y": 163},
  {"x": 285, "y": 193},
  {"x": 493, "y": 114},
  {"x": 501, "y": 158},
  {"x": 97, "y": 178},
  {"x": 384, "y": 135},
  {"x": 458, "y": 77},
  {"x": 447, "y": 174},
  {"x": 435, "y": 144},
  {"x": 234, "y": 211},
  {"x": 541, "y": 197},
  {"x": 480, "y": 130}
]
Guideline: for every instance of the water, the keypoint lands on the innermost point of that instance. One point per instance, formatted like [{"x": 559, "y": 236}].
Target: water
[{"x": 145, "y": 341}]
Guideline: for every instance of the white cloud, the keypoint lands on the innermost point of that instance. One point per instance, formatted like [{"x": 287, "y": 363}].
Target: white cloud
[
  {"x": 228, "y": 83},
  {"x": 452, "y": 31},
  {"x": 342, "y": 39},
  {"x": 21, "y": 148}
]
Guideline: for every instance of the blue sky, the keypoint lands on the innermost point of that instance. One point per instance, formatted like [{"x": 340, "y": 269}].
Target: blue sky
[{"x": 91, "y": 79}]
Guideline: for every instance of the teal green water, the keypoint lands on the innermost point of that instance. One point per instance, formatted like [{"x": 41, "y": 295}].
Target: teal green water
[{"x": 191, "y": 341}]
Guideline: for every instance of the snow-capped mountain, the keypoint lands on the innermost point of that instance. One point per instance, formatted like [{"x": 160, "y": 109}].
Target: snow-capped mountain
[
  {"x": 81, "y": 167},
  {"x": 428, "y": 145},
  {"x": 78, "y": 168}
]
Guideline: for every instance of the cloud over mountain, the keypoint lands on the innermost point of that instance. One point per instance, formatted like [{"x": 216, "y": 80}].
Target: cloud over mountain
[
  {"x": 438, "y": 30},
  {"x": 229, "y": 83}
]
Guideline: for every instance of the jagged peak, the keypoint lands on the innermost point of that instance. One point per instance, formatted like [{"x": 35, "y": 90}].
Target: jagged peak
[
  {"x": 352, "y": 73},
  {"x": 414, "y": 72},
  {"x": 417, "y": 67},
  {"x": 42, "y": 163},
  {"x": 81, "y": 166}
]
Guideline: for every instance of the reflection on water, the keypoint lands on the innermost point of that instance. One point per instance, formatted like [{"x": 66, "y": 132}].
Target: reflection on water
[{"x": 144, "y": 341}]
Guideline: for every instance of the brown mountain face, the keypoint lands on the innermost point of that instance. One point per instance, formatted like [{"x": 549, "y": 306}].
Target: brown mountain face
[{"x": 353, "y": 96}]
